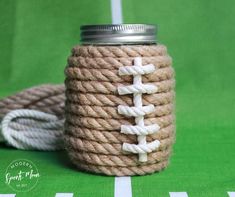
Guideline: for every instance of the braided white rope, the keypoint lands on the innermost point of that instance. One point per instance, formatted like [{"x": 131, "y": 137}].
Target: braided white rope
[
  {"x": 141, "y": 148},
  {"x": 139, "y": 130},
  {"x": 136, "y": 70},
  {"x": 135, "y": 111},
  {"x": 137, "y": 88},
  {"x": 31, "y": 129},
  {"x": 138, "y": 111}
]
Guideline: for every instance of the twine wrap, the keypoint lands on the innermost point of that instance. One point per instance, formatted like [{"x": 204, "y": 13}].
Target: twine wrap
[{"x": 101, "y": 124}]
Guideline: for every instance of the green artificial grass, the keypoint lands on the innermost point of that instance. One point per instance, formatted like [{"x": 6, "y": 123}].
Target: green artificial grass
[{"x": 35, "y": 40}]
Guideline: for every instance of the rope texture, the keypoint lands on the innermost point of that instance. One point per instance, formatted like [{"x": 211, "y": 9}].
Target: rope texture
[
  {"x": 93, "y": 126},
  {"x": 46, "y": 98},
  {"x": 138, "y": 111},
  {"x": 30, "y": 129},
  {"x": 100, "y": 110}
]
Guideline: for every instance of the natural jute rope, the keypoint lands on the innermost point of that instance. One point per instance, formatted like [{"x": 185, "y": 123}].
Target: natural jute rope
[
  {"x": 51, "y": 98},
  {"x": 93, "y": 136},
  {"x": 24, "y": 126},
  {"x": 34, "y": 118},
  {"x": 45, "y": 98},
  {"x": 99, "y": 104}
]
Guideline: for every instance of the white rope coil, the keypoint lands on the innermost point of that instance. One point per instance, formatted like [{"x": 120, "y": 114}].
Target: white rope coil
[
  {"x": 31, "y": 129},
  {"x": 138, "y": 110}
]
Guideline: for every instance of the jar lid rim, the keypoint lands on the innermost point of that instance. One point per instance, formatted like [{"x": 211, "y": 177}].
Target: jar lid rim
[{"x": 108, "y": 34}]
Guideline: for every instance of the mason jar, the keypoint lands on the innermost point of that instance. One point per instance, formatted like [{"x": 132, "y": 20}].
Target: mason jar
[{"x": 119, "y": 101}]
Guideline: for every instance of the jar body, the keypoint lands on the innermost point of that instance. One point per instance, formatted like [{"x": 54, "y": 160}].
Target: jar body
[{"x": 93, "y": 136}]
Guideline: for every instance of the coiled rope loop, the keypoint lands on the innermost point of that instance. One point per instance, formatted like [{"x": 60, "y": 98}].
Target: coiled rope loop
[{"x": 31, "y": 129}]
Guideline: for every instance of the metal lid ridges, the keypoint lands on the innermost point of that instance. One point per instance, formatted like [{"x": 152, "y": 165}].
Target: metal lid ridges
[{"x": 118, "y": 34}]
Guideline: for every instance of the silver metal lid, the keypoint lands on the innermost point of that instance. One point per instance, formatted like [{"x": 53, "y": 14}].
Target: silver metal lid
[{"x": 118, "y": 34}]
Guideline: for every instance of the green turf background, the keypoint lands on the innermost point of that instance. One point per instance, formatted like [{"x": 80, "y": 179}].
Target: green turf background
[{"x": 35, "y": 40}]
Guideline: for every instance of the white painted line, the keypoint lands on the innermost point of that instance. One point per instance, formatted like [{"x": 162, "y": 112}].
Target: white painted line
[
  {"x": 178, "y": 194},
  {"x": 231, "y": 194},
  {"x": 122, "y": 187},
  {"x": 7, "y": 195},
  {"x": 116, "y": 9},
  {"x": 64, "y": 195}
]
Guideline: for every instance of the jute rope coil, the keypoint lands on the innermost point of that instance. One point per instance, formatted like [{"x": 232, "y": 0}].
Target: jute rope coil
[
  {"x": 46, "y": 98},
  {"x": 51, "y": 98},
  {"x": 100, "y": 104},
  {"x": 92, "y": 130}
]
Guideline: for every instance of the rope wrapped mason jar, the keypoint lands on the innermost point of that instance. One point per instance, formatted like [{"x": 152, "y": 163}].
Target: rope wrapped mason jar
[{"x": 119, "y": 101}]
